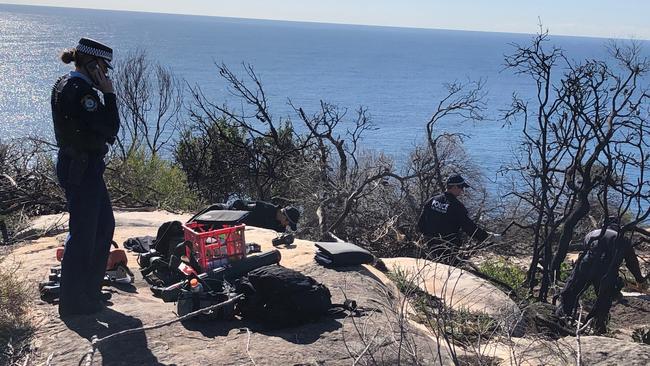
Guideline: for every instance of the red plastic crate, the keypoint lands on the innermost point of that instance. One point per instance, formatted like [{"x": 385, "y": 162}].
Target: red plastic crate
[{"x": 215, "y": 247}]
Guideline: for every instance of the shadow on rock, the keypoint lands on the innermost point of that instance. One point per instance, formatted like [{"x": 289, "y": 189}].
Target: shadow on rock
[
  {"x": 361, "y": 270},
  {"x": 126, "y": 287},
  {"x": 114, "y": 351},
  {"x": 211, "y": 328},
  {"x": 301, "y": 334}
]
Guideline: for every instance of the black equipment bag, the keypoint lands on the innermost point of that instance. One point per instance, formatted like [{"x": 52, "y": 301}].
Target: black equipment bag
[
  {"x": 212, "y": 207},
  {"x": 169, "y": 235},
  {"x": 217, "y": 219},
  {"x": 282, "y": 297},
  {"x": 335, "y": 254},
  {"x": 139, "y": 244}
]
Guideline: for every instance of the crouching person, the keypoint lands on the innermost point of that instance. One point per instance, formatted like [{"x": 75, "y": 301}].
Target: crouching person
[
  {"x": 267, "y": 215},
  {"x": 598, "y": 266},
  {"x": 442, "y": 221},
  {"x": 263, "y": 214}
]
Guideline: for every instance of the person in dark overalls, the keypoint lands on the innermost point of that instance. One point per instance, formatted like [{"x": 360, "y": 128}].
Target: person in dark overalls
[
  {"x": 261, "y": 214},
  {"x": 598, "y": 266},
  {"x": 267, "y": 215},
  {"x": 84, "y": 126},
  {"x": 442, "y": 219}
]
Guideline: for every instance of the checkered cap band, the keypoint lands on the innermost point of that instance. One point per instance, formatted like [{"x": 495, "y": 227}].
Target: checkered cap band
[{"x": 95, "y": 52}]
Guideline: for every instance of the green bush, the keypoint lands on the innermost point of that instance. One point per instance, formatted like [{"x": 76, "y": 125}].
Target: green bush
[
  {"x": 463, "y": 326},
  {"x": 467, "y": 327},
  {"x": 144, "y": 180},
  {"x": 565, "y": 270},
  {"x": 215, "y": 165},
  {"x": 507, "y": 273},
  {"x": 222, "y": 160}
]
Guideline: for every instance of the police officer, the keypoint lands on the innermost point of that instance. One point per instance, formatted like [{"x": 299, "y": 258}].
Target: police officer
[
  {"x": 84, "y": 125},
  {"x": 267, "y": 215},
  {"x": 598, "y": 266},
  {"x": 442, "y": 219}
]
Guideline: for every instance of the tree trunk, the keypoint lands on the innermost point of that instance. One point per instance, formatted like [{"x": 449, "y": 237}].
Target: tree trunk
[
  {"x": 546, "y": 269},
  {"x": 579, "y": 212},
  {"x": 4, "y": 232}
]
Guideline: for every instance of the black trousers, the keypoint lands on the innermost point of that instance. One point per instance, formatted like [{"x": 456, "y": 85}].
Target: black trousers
[
  {"x": 602, "y": 273},
  {"x": 91, "y": 228}
]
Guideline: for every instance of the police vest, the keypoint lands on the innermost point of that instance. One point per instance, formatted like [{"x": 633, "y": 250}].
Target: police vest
[{"x": 81, "y": 120}]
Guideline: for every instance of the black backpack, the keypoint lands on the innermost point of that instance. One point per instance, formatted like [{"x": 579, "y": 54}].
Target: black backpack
[
  {"x": 282, "y": 297},
  {"x": 169, "y": 235}
]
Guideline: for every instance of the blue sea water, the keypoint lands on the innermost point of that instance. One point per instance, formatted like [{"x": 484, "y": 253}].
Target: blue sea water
[{"x": 397, "y": 73}]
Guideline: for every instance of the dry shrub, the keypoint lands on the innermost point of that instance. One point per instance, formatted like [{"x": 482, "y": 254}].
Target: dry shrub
[{"x": 14, "y": 304}]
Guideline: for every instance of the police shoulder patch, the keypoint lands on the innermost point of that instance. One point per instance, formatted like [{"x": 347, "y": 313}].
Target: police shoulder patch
[{"x": 89, "y": 103}]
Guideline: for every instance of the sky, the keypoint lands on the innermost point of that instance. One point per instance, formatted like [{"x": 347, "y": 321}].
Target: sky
[{"x": 595, "y": 18}]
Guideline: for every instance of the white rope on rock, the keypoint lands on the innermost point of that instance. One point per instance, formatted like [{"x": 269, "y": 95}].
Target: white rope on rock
[
  {"x": 248, "y": 343},
  {"x": 95, "y": 341}
]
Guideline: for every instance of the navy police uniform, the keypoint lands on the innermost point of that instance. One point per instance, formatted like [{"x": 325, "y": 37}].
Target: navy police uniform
[
  {"x": 598, "y": 266},
  {"x": 83, "y": 126},
  {"x": 442, "y": 221}
]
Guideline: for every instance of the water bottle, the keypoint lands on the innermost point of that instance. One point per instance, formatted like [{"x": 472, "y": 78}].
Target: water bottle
[{"x": 196, "y": 286}]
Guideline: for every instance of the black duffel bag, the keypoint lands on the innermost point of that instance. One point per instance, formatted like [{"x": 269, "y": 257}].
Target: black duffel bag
[{"x": 281, "y": 297}]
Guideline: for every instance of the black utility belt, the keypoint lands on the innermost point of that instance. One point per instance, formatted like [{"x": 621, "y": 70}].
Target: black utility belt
[
  {"x": 78, "y": 164},
  {"x": 77, "y": 154}
]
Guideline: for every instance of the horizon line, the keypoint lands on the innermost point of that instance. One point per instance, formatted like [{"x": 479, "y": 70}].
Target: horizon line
[{"x": 324, "y": 22}]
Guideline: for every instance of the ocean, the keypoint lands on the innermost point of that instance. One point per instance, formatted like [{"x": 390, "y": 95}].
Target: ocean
[{"x": 398, "y": 74}]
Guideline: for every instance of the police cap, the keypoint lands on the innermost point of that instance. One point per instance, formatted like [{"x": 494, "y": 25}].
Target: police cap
[
  {"x": 293, "y": 215},
  {"x": 456, "y": 180},
  {"x": 97, "y": 49}
]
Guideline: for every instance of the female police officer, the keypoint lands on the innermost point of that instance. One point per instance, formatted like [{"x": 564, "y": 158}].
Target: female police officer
[{"x": 83, "y": 126}]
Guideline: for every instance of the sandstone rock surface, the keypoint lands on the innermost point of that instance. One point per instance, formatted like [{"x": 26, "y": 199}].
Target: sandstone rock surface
[
  {"x": 377, "y": 333},
  {"x": 458, "y": 288},
  {"x": 380, "y": 335}
]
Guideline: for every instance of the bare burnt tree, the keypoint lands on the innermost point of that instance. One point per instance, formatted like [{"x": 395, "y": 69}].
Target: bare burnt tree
[
  {"x": 28, "y": 185},
  {"x": 342, "y": 179},
  {"x": 463, "y": 102},
  {"x": 270, "y": 146},
  {"x": 584, "y": 129},
  {"x": 540, "y": 162},
  {"x": 317, "y": 168},
  {"x": 358, "y": 190},
  {"x": 150, "y": 100},
  {"x": 443, "y": 153},
  {"x": 628, "y": 186},
  {"x": 318, "y": 163}
]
